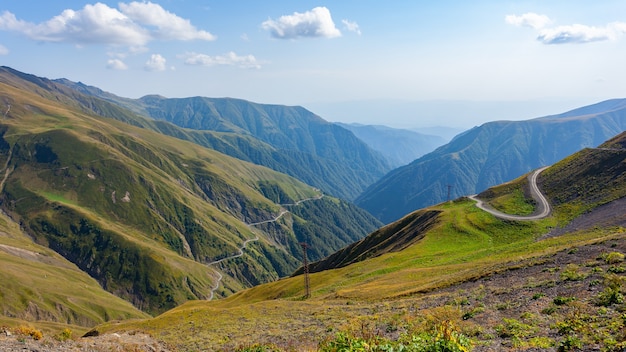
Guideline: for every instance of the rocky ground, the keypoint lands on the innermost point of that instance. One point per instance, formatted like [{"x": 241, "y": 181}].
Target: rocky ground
[{"x": 15, "y": 342}]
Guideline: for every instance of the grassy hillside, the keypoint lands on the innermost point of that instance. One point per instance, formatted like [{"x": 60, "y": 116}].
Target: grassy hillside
[
  {"x": 452, "y": 267},
  {"x": 144, "y": 214}
]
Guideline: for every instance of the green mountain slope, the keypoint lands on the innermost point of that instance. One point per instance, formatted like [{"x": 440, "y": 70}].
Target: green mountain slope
[
  {"x": 502, "y": 283},
  {"x": 294, "y": 140},
  {"x": 488, "y": 155},
  {"x": 144, "y": 214},
  {"x": 399, "y": 146}
]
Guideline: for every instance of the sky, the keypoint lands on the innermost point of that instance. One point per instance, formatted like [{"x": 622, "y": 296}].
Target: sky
[{"x": 398, "y": 63}]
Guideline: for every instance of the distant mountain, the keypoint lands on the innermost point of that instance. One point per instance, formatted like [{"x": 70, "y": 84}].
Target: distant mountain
[
  {"x": 152, "y": 219},
  {"x": 289, "y": 139},
  {"x": 490, "y": 154},
  {"x": 447, "y": 133},
  {"x": 399, "y": 146}
]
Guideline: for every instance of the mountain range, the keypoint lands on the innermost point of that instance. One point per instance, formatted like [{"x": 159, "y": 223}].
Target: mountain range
[
  {"x": 288, "y": 139},
  {"x": 488, "y": 155},
  {"x": 153, "y": 219}
]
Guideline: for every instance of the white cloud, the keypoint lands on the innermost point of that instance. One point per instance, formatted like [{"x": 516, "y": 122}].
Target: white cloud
[
  {"x": 134, "y": 26},
  {"x": 116, "y": 64},
  {"x": 578, "y": 33},
  {"x": 3, "y": 50},
  {"x": 529, "y": 19},
  {"x": 93, "y": 24},
  {"x": 575, "y": 33},
  {"x": 246, "y": 61},
  {"x": 156, "y": 63},
  {"x": 351, "y": 26},
  {"x": 315, "y": 23},
  {"x": 169, "y": 26}
]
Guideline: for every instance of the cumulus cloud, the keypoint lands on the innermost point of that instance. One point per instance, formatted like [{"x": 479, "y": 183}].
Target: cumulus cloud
[
  {"x": 134, "y": 24},
  {"x": 529, "y": 19},
  {"x": 578, "y": 33},
  {"x": 314, "y": 23},
  {"x": 575, "y": 33},
  {"x": 168, "y": 25},
  {"x": 351, "y": 26},
  {"x": 232, "y": 59},
  {"x": 3, "y": 50},
  {"x": 156, "y": 63},
  {"x": 116, "y": 64}
]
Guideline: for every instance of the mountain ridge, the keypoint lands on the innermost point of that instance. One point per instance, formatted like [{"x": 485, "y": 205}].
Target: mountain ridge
[
  {"x": 294, "y": 132},
  {"x": 487, "y": 155}
]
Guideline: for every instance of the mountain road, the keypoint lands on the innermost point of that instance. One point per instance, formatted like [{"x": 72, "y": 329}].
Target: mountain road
[{"x": 543, "y": 207}]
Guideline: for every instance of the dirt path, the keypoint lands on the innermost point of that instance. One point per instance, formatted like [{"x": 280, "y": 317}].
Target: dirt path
[
  {"x": 256, "y": 238},
  {"x": 543, "y": 207}
]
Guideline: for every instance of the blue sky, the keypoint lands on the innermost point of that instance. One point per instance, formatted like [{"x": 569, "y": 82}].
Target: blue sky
[{"x": 402, "y": 63}]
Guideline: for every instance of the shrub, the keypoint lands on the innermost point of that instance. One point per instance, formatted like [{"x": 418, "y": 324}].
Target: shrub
[
  {"x": 561, "y": 301},
  {"x": 446, "y": 338},
  {"x": 614, "y": 258},
  {"x": 572, "y": 273},
  {"x": 570, "y": 343},
  {"x": 29, "y": 331},
  {"x": 66, "y": 334}
]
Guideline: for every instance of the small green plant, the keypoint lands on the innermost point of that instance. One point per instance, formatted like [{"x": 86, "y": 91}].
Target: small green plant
[
  {"x": 570, "y": 343},
  {"x": 614, "y": 258},
  {"x": 572, "y": 273},
  {"x": 258, "y": 348},
  {"x": 561, "y": 301},
  {"x": 616, "y": 269},
  {"x": 538, "y": 295},
  {"x": 64, "y": 335}
]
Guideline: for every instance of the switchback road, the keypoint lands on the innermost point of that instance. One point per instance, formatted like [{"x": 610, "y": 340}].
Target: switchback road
[
  {"x": 543, "y": 207},
  {"x": 245, "y": 243}
]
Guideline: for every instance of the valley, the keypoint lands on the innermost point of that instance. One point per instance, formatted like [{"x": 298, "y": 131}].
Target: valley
[{"x": 158, "y": 224}]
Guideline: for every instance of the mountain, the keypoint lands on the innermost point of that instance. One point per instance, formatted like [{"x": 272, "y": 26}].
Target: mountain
[
  {"x": 288, "y": 139},
  {"x": 448, "y": 275},
  {"x": 488, "y": 155},
  {"x": 399, "y": 146},
  {"x": 95, "y": 189}
]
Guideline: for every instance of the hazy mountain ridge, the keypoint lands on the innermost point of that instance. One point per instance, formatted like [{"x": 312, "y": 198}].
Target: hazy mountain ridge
[
  {"x": 399, "y": 146},
  {"x": 144, "y": 213},
  {"x": 300, "y": 140},
  {"x": 488, "y": 155}
]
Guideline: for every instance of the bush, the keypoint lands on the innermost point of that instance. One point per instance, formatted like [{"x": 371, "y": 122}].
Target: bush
[
  {"x": 572, "y": 273},
  {"x": 29, "y": 331},
  {"x": 446, "y": 338},
  {"x": 614, "y": 258},
  {"x": 66, "y": 334}
]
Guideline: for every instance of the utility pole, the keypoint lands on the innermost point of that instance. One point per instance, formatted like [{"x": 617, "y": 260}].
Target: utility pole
[
  {"x": 305, "y": 266},
  {"x": 449, "y": 188}
]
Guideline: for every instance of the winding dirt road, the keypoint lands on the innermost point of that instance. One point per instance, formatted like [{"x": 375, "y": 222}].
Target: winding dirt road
[
  {"x": 543, "y": 207},
  {"x": 245, "y": 243}
]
